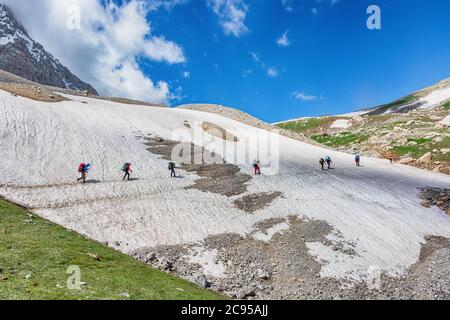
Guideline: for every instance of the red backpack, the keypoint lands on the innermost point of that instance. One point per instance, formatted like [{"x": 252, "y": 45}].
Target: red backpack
[{"x": 81, "y": 167}]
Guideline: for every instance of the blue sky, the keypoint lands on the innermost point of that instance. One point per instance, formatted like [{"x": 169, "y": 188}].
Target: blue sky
[{"x": 332, "y": 55}]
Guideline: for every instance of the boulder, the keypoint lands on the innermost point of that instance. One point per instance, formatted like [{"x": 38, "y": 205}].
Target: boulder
[
  {"x": 406, "y": 160},
  {"x": 263, "y": 274},
  {"x": 425, "y": 204},
  {"x": 245, "y": 292},
  {"x": 200, "y": 280},
  {"x": 426, "y": 158},
  {"x": 165, "y": 264}
]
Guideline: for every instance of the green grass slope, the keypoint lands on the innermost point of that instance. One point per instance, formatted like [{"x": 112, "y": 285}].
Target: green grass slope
[{"x": 35, "y": 255}]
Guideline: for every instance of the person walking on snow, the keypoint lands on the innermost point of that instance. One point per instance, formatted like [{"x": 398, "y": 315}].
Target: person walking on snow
[
  {"x": 127, "y": 169},
  {"x": 358, "y": 160},
  {"x": 83, "y": 169},
  {"x": 328, "y": 161},
  {"x": 322, "y": 163},
  {"x": 257, "y": 167},
  {"x": 172, "y": 167}
]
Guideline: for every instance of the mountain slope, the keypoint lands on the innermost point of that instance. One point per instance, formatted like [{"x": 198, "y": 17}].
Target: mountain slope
[
  {"x": 413, "y": 130},
  {"x": 21, "y": 55},
  {"x": 351, "y": 225},
  {"x": 426, "y": 99}
]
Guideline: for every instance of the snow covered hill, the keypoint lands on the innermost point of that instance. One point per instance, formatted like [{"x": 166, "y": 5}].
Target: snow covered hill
[
  {"x": 22, "y": 56},
  {"x": 374, "y": 210}
]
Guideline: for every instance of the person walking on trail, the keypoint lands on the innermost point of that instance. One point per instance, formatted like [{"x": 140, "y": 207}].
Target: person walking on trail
[
  {"x": 257, "y": 167},
  {"x": 322, "y": 163},
  {"x": 127, "y": 169},
  {"x": 358, "y": 160},
  {"x": 172, "y": 167},
  {"x": 83, "y": 168},
  {"x": 328, "y": 161}
]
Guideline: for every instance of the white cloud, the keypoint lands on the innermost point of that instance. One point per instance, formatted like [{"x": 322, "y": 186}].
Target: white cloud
[
  {"x": 154, "y": 5},
  {"x": 287, "y": 5},
  {"x": 256, "y": 58},
  {"x": 232, "y": 15},
  {"x": 247, "y": 72},
  {"x": 159, "y": 49},
  {"x": 304, "y": 97},
  {"x": 283, "y": 41},
  {"x": 272, "y": 72},
  {"x": 105, "y": 51}
]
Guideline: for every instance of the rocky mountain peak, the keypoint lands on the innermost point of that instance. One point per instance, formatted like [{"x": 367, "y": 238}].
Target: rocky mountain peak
[{"x": 21, "y": 55}]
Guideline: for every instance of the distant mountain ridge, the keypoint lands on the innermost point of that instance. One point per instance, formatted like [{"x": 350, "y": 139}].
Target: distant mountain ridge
[
  {"x": 22, "y": 56},
  {"x": 424, "y": 99}
]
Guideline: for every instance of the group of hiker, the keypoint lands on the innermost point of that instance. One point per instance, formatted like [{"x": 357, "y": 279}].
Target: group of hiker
[
  {"x": 84, "y": 168},
  {"x": 327, "y": 160}
]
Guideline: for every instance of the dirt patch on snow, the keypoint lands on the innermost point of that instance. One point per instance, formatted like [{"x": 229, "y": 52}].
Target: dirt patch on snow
[
  {"x": 220, "y": 178},
  {"x": 256, "y": 201},
  {"x": 219, "y": 132}
]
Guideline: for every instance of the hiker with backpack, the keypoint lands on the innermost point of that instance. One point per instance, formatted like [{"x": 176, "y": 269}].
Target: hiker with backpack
[
  {"x": 83, "y": 168},
  {"x": 127, "y": 169},
  {"x": 328, "y": 161},
  {"x": 172, "y": 167},
  {"x": 257, "y": 167},
  {"x": 322, "y": 163},
  {"x": 358, "y": 160}
]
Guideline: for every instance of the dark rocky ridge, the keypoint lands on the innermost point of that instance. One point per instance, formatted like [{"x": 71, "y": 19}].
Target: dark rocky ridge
[{"x": 22, "y": 56}]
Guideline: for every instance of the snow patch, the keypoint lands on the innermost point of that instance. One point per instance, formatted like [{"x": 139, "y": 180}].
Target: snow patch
[
  {"x": 435, "y": 98},
  {"x": 7, "y": 39},
  {"x": 208, "y": 260},
  {"x": 341, "y": 124},
  {"x": 445, "y": 121}
]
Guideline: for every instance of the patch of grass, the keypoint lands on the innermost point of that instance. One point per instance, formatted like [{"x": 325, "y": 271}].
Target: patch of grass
[
  {"x": 35, "y": 255},
  {"x": 446, "y": 106},
  {"x": 412, "y": 151},
  {"x": 424, "y": 146},
  {"x": 301, "y": 126},
  {"x": 392, "y": 125},
  {"x": 445, "y": 144},
  {"x": 420, "y": 140},
  {"x": 341, "y": 140}
]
